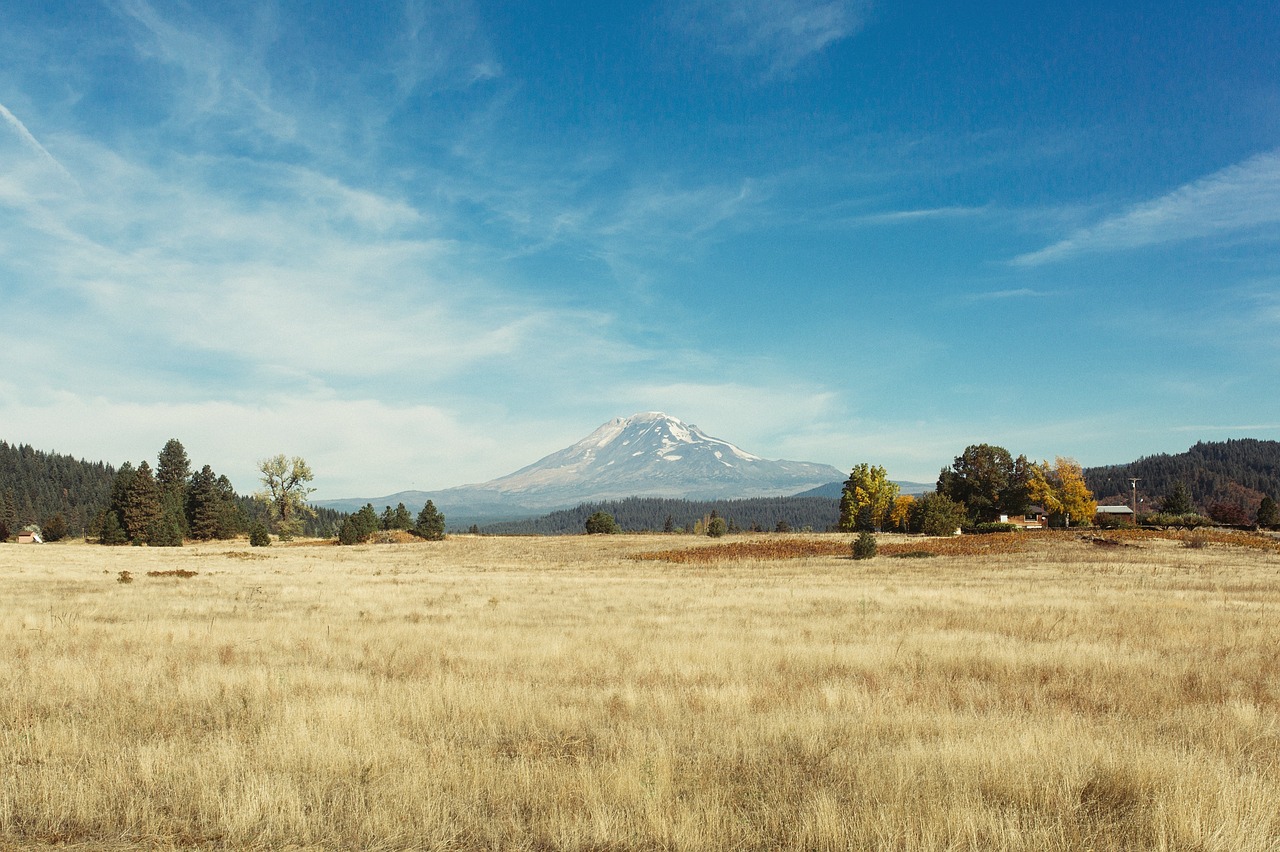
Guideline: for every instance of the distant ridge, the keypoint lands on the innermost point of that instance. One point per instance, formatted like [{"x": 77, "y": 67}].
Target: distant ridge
[
  {"x": 650, "y": 454},
  {"x": 836, "y": 489},
  {"x": 1207, "y": 469}
]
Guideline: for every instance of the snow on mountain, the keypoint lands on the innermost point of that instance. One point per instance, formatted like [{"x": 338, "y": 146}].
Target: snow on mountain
[{"x": 650, "y": 454}]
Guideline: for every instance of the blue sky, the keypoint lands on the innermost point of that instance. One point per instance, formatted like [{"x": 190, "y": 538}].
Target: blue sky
[{"x": 423, "y": 244}]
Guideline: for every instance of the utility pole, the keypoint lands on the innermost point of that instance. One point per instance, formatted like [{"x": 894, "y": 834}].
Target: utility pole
[{"x": 1133, "y": 483}]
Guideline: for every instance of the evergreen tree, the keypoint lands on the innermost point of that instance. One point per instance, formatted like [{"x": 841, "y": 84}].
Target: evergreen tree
[
  {"x": 55, "y": 528},
  {"x": 141, "y": 508},
  {"x": 1177, "y": 500},
  {"x": 173, "y": 468},
  {"x": 401, "y": 519},
  {"x": 359, "y": 527},
  {"x": 204, "y": 505},
  {"x": 167, "y": 530},
  {"x": 864, "y": 546},
  {"x": 430, "y": 523},
  {"x": 1268, "y": 513},
  {"x": 601, "y": 523},
  {"x": 112, "y": 532},
  {"x": 231, "y": 517},
  {"x": 258, "y": 535},
  {"x": 936, "y": 514}
]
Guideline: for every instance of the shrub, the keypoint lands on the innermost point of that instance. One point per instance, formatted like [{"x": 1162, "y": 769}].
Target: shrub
[
  {"x": 602, "y": 523},
  {"x": 55, "y": 528},
  {"x": 864, "y": 546},
  {"x": 995, "y": 527},
  {"x": 1188, "y": 521},
  {"x": 258, "y": 536},
  {"x": 1113, "y": 522},
  {"x": 1197, "y": 539},
  {"x": 716, "y": 527}
]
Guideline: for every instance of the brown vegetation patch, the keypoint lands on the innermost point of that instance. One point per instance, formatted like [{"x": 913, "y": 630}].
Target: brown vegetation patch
[
  {"x": 765, "y": 549},
  {"x": 802, "y": 548},
  {"x": 177, "y": 572}
]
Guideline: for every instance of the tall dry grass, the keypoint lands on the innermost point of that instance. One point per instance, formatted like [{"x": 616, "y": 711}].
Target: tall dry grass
[{"x": 501, "y": 693}]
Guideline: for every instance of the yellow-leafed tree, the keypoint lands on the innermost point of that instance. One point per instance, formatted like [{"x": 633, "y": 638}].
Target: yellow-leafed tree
[
  {"x": 900, "y": 514},
  {"x": 867, "y": 500},
  {"x": 1060, "y": 489}
]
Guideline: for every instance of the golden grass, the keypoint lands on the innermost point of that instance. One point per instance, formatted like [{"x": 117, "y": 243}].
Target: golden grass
[{"x": 504, "y": 693}]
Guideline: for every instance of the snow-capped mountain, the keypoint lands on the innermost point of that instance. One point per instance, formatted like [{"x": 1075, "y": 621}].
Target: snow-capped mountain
[{"x": 646, "y": 455}]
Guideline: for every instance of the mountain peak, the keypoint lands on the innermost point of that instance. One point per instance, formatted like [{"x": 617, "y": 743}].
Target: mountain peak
[{"x": 649, "y": 454}]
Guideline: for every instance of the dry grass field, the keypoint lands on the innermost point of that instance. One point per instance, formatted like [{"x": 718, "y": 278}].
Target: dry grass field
[{"x": 540, "y": 694}]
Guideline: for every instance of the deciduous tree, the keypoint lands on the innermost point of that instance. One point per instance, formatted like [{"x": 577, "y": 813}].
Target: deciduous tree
[
  {"x": 988, "y": 481},
  {"x": 1060, "y": 489},
  {"x": 867, "y": 500},
  {"x": 285, "y": 492}
]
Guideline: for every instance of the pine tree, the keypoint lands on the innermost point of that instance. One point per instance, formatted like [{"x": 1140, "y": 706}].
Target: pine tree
[
  {"x": 1177, "y": 500},
  {"x": 430, "y": 523},
  {"x": 1268, "y": 513},
  {"x": 141, "y": 508},
  {"x": 112, "y": 533},
  {"x": 204, "y": 505},
  {"x": 173, "y": 468},
  {"x": 55, "y": 528},
  {"x": 401, "y": 519}
]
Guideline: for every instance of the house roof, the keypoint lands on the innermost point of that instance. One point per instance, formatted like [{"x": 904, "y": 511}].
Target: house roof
[{"x": 1114, "y": 510}]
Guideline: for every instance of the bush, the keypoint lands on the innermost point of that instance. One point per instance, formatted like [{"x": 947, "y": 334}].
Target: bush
[
  {"x": 1113, "y": 522},
  {"x": 716, "y": 527},
  {"x": 936, "y": 514},
  {"x": 1197, "y": 539},
  {"x": 864, "y": 546},
  {"x": 995, "y": 527},
  {"x": 55, "y": 529},
  {"x": 258, "y": 536},
  {"x": 1189, "y": 521},
  {"x": 602, "y": 523}
]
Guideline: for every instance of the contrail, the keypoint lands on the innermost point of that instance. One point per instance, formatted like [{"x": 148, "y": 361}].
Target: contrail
[{"x": 32, "y": 141}]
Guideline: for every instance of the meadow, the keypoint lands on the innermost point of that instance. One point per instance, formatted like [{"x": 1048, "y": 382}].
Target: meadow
[{"x": 560, "y": 694}]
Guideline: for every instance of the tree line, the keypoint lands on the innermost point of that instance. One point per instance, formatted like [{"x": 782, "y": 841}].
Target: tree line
[
  {"x": 1228, "y": 481},
  {"x": 674, "y": 515},
  {"x": 361, "y": 526},
  {"x": 56, "y": 492},
  {"x": 982, "y": 486}
]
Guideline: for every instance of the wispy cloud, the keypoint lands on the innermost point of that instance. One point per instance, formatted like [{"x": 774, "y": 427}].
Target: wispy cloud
[
  {"x": 32, "y": 143},
  {"x": 780, "y": 35},
  {"x": 1238, "y": 198},
  {"x": 902, "y": 217},
  {"x": 999, "y": 295}
]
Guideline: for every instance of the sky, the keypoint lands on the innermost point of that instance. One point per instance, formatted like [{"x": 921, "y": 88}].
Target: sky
[{"x": 422, "y": 244}]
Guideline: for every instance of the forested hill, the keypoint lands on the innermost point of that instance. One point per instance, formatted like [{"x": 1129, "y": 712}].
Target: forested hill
[
  {"x": 657, "y": 514},
  {"x": 1209, "y": 469},
  {"x": 35, "y": 486}
]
